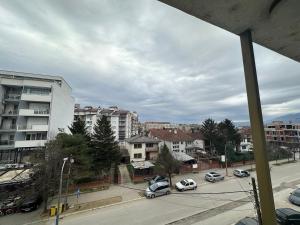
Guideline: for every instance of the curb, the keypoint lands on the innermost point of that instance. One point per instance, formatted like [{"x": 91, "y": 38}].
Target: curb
[{"x": 86, "y": 210}]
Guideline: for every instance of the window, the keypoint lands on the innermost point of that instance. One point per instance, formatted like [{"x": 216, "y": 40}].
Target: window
[
  {"x": 175, "y": 143},
  {"x": 137, "y": 155},
  {"x": 137, "y": 145},
  {"x": 182, "y": 142},
  {"x": 243, "y": 147},
  {"x": 149, "y": 145}
]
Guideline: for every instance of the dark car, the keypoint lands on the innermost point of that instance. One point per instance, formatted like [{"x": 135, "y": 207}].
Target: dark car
[
  {"x": 158, "y": 179},
  {"x": 295, "y": 197},
  {"x": 31, "y": 204},
  {"x": 287, "y": 216},
  {"x": 248, "y": 221}
]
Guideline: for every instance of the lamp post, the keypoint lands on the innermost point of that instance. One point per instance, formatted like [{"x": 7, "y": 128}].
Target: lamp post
[
  {"x": 67, "y": 188},
  {"x": 60, "y": 187}
]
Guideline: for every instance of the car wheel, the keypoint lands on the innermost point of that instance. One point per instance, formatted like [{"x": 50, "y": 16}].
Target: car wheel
[
  {"x": 152, "y": 196},
  {"x": 168, "y": 192},
  {"x": 9, "y": 211},
  {"x": 195, "y": 188}
]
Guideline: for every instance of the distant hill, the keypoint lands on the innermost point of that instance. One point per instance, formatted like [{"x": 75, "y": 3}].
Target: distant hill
[{"x": 294, "y": 118}]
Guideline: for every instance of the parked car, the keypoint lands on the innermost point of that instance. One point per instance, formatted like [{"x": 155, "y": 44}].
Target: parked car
[
  {"x": 187, "y": 184},
  {"x": 287, "y": 216},
  {"x": 31, "y": 204},
  {"x": 241, "y": 173},
  {"x": 158, "y": 189},
  {"x": 158, "y": 178},
  {"x": 247, "y": 221},
  {"x": 295, "y": 197},
  {"x": 213, "y": 177}
]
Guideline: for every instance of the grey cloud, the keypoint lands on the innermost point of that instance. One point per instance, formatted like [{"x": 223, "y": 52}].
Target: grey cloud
[{"x": 142, "y": 56}]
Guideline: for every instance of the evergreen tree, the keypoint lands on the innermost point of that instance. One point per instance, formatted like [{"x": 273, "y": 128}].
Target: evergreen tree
[
  {"x": 166, "y": 163},
  {"x": 78, "y": 127},
  {"x": 104, "y": 151},
  {"x": 228, "y": 133},
  {"x": 210, "y": 132}
]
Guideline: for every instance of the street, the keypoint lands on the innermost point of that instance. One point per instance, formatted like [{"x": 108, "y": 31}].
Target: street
[{"x": 192, "y": 207}]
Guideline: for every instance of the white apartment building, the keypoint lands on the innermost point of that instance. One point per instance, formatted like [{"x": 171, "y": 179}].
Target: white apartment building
[
  {"x": 88, "y": 114},
  {"x": 123, "y": 123},
  {"x": 33, "y": 109}
]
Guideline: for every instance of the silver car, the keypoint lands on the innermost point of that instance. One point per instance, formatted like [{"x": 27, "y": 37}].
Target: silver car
[
  {"x": 158, "y": 189},
  {"x": 213, "y": 177},
  {"x": 295, "y": 197},
  {"x": 241, "y": 173}
]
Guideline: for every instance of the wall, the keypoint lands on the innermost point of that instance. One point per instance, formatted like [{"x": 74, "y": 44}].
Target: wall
[
  {"x": 61, "y": 109},
  {"x": 132, "y": 151}
]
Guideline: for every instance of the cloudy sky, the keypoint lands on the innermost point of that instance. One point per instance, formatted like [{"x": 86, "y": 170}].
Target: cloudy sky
[{"x": 143, "y": 56}]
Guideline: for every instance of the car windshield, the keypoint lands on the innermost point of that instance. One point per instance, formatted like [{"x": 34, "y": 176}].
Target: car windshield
[
  {"x": 216, "y": 175},
  {"x": 183, "y": 182},
  {"x": 297, "y": 194},
  {"x": 153, "y": 187}
]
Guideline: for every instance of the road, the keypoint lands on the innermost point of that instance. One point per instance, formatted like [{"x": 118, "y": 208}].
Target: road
[{"x": 191, "y": 207}]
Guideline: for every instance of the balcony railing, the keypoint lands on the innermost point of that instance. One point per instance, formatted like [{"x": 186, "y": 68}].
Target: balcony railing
[
  {"x": 10, "y": 112},
  {"x": 13, "y": 97},
  {"x": 33, "y": 127},
  {"x": 9, "y": 127},
  {"x": 41, "y": 111},
  {"x": 7, "y": 142}
]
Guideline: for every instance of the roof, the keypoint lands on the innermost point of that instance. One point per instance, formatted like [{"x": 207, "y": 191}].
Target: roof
[
  {"x": 274, "y": 23},
  {"x": 196, "y": 135},
  {"x": 169, "y": 134},
  {"x": 141, "y": 139},
  {"x": 142, "y": 165},
  {"x": 181, "y": 156},
  {"x": 23, "y": 75}
]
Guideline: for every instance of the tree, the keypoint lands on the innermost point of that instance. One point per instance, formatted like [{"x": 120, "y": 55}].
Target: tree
[
  {"x": 104, "y": 150},
  {"x": 49, "y": 164},
  {"x": 166, "y": 163},
  {"x": 209, "y": 130},
  {"x": 78, "y": 127},
  {"x": 228, "y": 133}
]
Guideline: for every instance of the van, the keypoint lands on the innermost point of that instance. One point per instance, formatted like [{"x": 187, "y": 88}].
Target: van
[{"x": 158, "y": 189}]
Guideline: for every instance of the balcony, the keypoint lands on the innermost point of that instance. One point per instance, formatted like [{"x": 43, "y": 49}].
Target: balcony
[
  {"x": 10, "y": 113},
  {"x": 26, "y": 128},
  {"x": 34, "y": 112},
  {"x": 12, "y": 97},
  {"x": 8, "y": 128},
  {"x": 6, "y": 144},
  {"x": 30, "y": 143},
  {"x": 31, "y": 97}
]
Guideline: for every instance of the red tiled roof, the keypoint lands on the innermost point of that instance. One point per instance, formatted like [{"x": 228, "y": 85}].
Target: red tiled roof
[
  {"x": 170, "y": 134},
  {"x": 196, "y": 135}
]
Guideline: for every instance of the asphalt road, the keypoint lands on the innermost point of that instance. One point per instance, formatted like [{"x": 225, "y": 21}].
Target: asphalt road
[{"x": 190, "y": 207}]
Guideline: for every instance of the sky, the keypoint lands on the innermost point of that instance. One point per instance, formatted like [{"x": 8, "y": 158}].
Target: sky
[{"x": 144, "y": 56}]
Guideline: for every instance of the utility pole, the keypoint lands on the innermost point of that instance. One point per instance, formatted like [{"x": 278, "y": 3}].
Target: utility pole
[
  {"x": 67, "y": 188},
  {"x": 256, "y": 201}
]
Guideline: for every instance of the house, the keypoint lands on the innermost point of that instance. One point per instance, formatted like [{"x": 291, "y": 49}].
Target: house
[
  {"x": 175, "y": 139},
  {"x": 142, "y": 148},
  {"x": 198, "y": 146}
]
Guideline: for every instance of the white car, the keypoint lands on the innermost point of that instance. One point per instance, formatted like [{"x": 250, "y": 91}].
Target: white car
[{"x": 187, "y": 184}]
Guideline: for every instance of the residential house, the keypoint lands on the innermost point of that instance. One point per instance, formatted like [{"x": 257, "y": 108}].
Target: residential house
[
  {"x": 175, "y": 139},
  {"x": 246, "y": 144}
]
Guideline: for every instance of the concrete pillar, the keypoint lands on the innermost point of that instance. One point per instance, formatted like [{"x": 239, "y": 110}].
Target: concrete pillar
[{"x": 258, "y": 133}]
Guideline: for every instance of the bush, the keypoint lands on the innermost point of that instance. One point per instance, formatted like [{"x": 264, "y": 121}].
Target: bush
[{"x": 83, "y": 180}]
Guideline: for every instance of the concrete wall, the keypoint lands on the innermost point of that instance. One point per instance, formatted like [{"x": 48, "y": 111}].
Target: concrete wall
[{"x": 61, "y": 109}]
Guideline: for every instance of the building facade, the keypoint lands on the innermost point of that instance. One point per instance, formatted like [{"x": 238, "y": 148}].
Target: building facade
[
  {"x": 33, "y": 110},
  {"x": 123, "y": 123},
  {"x": 142, "y": 148},
  {"x": 283, "y": 134}
]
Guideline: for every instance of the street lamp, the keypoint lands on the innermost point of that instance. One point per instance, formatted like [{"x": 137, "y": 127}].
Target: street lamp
[
  {"x": 60, "y": 187},
  {"x": 67, "y": 189}
]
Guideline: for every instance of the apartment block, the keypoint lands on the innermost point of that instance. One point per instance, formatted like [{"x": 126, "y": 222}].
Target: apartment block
[
  {"x": 283, "y": 133},
  {"x": 123, "y": 123},
  {"x": 33, "y": 109}
]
